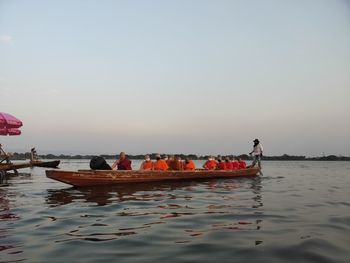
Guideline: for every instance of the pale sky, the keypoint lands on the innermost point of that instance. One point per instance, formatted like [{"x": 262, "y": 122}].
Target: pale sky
[{"x": 190, "y": 76}]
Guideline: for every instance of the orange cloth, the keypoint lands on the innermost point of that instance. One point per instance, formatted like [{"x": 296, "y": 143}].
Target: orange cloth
[
  {"x": 228, "y": 166},
  {"x": 147, "y": 165},
  {"x": 210, "y": 164},
  {"x": 190, "y": 165},
  {"x": 242, "y": 164},
  {"x": 221, "y": 166},
  {"x": 160, "y": 165},
  {"x": 175, "y": 165},
  {"x": 235, "y": 165}
]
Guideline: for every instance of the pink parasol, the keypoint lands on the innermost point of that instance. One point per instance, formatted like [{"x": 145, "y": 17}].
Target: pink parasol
[{"x": 9, "y": 124}]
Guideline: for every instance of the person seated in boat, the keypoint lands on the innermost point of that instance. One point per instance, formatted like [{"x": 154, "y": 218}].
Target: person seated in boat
[
  {"x": 175, "y": 164},
  {"x": 147, "y": 164},
  {"x": 235, "y": 163},
  {"x": 221, "y": 165},
  {"x": 242, "y": 163},
  {"x": 228, "y": 163},
  {"x": 210, "y": 164},
  {"x": 160, "y": 164},
  {"x": 123, "y": 163},
  {"x": 165, "y": 158},
  {"x": 170, "y": 159},
  {"x": 189, "y": 165}
]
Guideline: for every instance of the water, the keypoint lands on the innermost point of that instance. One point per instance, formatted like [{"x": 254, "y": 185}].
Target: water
[{"x": 296, "y": 212}]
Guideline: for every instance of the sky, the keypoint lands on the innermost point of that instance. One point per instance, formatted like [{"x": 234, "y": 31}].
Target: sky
[{"x": 186, "y": 76}]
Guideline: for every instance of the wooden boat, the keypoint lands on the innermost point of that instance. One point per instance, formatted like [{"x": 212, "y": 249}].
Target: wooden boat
[
  {"x": 16, "y": 166},
  {"x": 48, "y": 164},
  {"x": 13, "y": 166},
  {"x": 82, "y": 178}
]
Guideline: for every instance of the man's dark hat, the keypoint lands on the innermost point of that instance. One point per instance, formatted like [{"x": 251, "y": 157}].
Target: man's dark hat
[{"x": 256, "y": 140}]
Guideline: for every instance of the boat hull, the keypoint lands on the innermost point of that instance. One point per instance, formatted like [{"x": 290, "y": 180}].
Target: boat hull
[
  {"x": 11, "y": 166},
  {"x": 83, "y": 178},
  {"x": 48, "y": 164}
]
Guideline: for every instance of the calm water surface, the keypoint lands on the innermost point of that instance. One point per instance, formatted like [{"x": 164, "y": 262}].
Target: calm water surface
[{"x": 296, "y": 212}]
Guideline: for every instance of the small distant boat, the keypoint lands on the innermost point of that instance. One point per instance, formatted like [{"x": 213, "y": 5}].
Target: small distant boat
[
  {"x": 35, "y": 161},
  {"x": 82, "y": 178},
  {"x": 47, "y": 164}
]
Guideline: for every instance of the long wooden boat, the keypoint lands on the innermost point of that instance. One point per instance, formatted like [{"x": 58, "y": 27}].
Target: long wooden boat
[
  {"x": 82, "y": 178},
  {"x": 47, "y": 164},
  {"x": 14, "y": 166}
]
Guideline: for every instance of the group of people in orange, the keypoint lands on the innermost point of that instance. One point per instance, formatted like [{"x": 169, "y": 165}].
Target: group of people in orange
[
  {"x": 175, "y": 163},
  {"x": 167, "y": 163},
  {"x": 224, "y": 163}
]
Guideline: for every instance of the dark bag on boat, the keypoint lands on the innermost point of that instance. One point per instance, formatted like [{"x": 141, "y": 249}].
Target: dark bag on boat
[{"x": 99, "y": 163}]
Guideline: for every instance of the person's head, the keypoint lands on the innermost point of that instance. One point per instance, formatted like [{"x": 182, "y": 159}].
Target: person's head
[
  {"x": 122, "y": 156},
  {"x": 147, "y": 158},
  {"x": 165, "y": 158},
  {"x": 187, "y": 160},
  {"x": 256, "y": 142},
  {"x": 227, "y": 159},
  {"x": 158, "y": 157}
]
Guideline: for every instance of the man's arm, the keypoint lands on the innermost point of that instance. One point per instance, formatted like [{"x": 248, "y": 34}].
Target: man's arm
[{"x": 115, "y": 164}]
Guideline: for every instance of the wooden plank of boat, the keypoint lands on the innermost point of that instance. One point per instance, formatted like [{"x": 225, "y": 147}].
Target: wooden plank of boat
[
  {"x": 14, "y": 166},
  {"x": 48, "y": 164},
  {"x": 82, "y": 178}
]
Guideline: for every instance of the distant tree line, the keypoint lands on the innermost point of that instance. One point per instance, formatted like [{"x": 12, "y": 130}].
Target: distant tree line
[{"x": 284, "y": 157}]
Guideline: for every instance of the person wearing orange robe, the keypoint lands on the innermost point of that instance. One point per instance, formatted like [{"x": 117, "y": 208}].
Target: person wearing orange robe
[
  {"x": 210, "y": 164},
  {"x": 221, "y": 164},
  {"x": 147, "y": 164},
  {"x": 242, "y": 164},
  {"x": 175, "y": 164},
  {"x": 160, "y": 164},
  {"x": 228, "y": 164},
  {"x": 235, "y": 164},
  {"x": 170, "y": 159},
  {"x": 189, "y": 165}
]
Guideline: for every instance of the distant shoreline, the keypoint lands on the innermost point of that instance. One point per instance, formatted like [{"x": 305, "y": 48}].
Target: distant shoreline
[{"x": 284, "y": 157}]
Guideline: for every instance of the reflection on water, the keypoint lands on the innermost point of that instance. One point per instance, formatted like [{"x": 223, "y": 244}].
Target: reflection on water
[
  {"x": 153, "y": 204},
  {"x": 102, "y": 195},
  {"x": 6, "y": 218}
]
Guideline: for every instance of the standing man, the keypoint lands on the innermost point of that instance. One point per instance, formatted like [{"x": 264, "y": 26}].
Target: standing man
[{"x": 257, "y": 153}]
